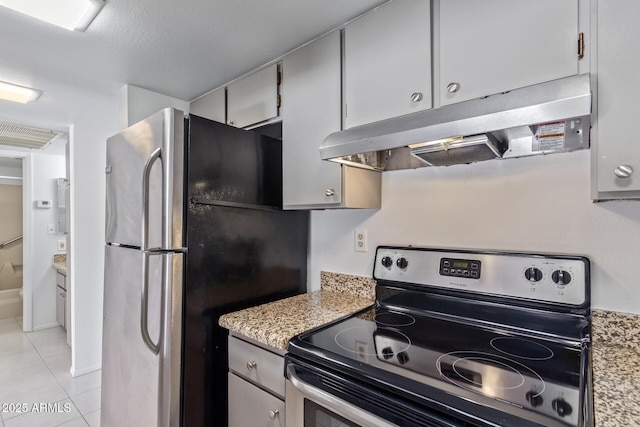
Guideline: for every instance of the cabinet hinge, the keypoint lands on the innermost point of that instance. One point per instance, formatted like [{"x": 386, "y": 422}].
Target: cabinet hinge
[
  {"x": 580, "y": 45},
  {"x": 279, "y": 78},
  {"x": 279, "y": 101}
]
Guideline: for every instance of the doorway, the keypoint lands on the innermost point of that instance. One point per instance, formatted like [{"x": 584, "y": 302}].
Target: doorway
[{"x": 11, "y": 238}]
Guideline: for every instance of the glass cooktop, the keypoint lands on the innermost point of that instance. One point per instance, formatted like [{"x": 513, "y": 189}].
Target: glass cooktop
[{"x": 427, "y": 355}]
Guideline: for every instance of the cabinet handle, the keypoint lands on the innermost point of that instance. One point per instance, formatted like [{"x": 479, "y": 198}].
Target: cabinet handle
[
  {"x": 274, "y": 414},
  {"x": 330, "y": 192},
  {"x": 453, "y": 87},
  {"x": 230, "y": 122},
  {"x": 252, "y": 365},
  {"x": 623, "y": 171},
  {"x": 416, "y": 97}
]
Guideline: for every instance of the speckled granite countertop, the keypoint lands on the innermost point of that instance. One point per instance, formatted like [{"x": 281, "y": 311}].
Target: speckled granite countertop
[
  {"x": 60, "y": 263},
  {"x": 615, "y": 355},
  {"x": 616, "y": 368},
  {"x": 274, "y": 324}
]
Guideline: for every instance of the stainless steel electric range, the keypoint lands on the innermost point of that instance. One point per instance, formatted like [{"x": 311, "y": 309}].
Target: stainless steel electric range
[{"x": 455, "y": 338}]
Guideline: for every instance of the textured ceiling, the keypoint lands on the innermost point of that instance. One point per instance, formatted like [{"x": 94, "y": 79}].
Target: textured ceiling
[{"x": 180, "y": 48}]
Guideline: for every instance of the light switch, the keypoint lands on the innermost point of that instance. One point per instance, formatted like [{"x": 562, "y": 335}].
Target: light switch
[{"x": 51, "y": 229}]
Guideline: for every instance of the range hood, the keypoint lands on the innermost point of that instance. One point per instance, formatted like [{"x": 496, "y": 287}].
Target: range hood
[{"x": 539, "y": 119}]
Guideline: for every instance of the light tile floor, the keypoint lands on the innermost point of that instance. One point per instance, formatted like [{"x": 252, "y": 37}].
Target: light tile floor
[{"x": 36, "y": 389}]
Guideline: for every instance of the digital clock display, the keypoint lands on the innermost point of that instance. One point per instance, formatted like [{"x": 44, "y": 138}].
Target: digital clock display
[
  {"x": 465, "y": 268},
  {"x": 460, "y": 264}
]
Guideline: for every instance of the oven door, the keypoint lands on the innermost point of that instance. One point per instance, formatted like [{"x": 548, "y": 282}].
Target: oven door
[
  {"x": 318, "y": 397},
  {"x": 309, "y": 406}
]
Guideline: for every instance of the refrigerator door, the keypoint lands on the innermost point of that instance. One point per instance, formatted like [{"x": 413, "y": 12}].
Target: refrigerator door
[
  {"x": 242, "y": 250},
  {"x": 140, "y": 383},
  {"x": 237, "y": 258},
  {"x": 144, "y": 183},
  {"x": 233, "y": 167}
]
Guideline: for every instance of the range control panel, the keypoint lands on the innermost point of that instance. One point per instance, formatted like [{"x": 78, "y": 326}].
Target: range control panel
[
  {"x": 460, "y": 267},
  {"x": 560, "y": 279}
]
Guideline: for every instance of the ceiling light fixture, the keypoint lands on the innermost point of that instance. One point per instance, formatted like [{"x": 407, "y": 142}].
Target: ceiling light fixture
[
  {"x": 15, "y": 93},
  {"x": 70, "y": 14}
]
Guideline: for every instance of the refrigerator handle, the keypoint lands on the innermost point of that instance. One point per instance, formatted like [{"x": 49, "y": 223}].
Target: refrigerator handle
[
  {"x": 146, "y": 172},
  {"x": 144, "y": 306}
]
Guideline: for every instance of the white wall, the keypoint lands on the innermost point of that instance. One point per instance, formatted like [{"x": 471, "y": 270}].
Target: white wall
[
  {"x": 535, "y": 204},
  {"x": 44, "y": 171},
  {"x": 87, "y": 157}
]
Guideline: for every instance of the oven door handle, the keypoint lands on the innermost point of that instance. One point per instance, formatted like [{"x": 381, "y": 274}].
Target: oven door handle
[{"x": 353, "y": 413}]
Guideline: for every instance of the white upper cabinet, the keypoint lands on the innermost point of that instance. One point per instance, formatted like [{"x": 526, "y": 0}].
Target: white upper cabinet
[
  {"x": 253, "y": 99},
  {"x": 387, "y": 61},
  {"x": 310, "y": 112},
  {"x": 491, "y": 46},
  {"x": 211, "y": 106},
  {"x": 311, "y": 88},
  {"x": 617, "y": 152}
]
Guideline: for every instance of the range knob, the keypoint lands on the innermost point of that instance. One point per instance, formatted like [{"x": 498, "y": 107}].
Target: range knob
[
  {"x": 561, "y": 277},
  {"x": 561, "y": 407},
  {"x": 402, "y": 263},
  {"x": 387, "y": 353},
  {"x": 403, "y": 357},
  {"x": 387, "y": 262},
  {"x": 534, "y": 398},
  {"x": 533, "y": 274}
]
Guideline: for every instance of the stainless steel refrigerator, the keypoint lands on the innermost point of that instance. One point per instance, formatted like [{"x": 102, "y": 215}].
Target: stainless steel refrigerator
[{"x": 194, "y": 229}]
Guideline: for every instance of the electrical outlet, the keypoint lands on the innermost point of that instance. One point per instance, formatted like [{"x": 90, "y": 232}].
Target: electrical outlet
[
  {"x": 51, "y": 229},
  {"x": 62, "y": 245},
  {"x": 360, "y": 240},
  {"x": 362, "y": 351}
]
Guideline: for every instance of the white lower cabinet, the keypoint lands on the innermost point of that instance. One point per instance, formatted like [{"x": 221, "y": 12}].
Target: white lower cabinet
[
  {"x": 256, "y": 386},
  {"x": 251, "y": 406},
  {"x": 61, "y": 299}
]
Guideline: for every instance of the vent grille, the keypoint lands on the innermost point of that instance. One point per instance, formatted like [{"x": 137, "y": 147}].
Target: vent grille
[{"x": 26, "y": 137}]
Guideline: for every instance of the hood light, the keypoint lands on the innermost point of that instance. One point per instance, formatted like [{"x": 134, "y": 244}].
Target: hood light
[
  {"x": 15, "y": 93},
  {"x": 445, "y": 142},
  {"x": 73, "y": 15}
]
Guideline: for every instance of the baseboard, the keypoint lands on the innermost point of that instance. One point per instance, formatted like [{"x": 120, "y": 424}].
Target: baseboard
[
  {"x": 77, "y": 372},
  {"x": 46, "y": 326}
]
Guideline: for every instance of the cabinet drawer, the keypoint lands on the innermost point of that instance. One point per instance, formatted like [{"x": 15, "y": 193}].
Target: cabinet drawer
[
  {"x": 257, "y": 365},
  {"x": 251, "y": 406},
  {"x": 61, "y": 280}
]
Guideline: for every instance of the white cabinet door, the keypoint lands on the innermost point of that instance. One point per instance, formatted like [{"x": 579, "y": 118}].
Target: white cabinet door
[
  {"x": 253, "y": 99},
  {"x": 249, "y": 406},
  {"x": 61, "y": 297},
  {"x": 310, "y": 112},
  {"x": 212, "y": 106},
  {"x": 388, "y": 62},
  {"x": 618, "y": 94},
  {"x": 491, "y": 46}
]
